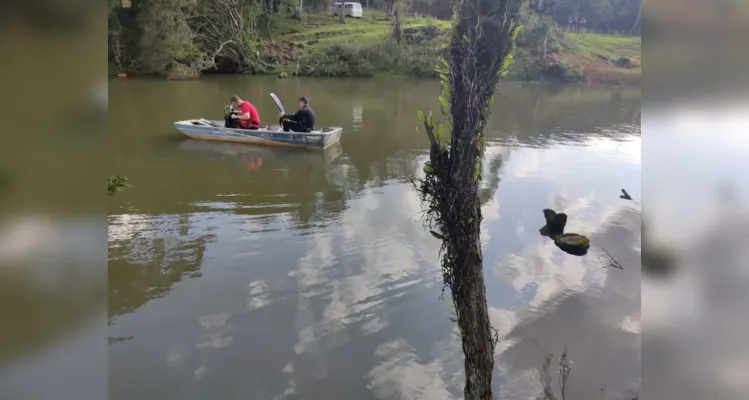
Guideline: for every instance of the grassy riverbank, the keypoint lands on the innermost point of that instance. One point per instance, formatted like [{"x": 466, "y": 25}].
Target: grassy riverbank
[
  {"x": 319, "y": 45},
  {"x": 323, "y": 47}
]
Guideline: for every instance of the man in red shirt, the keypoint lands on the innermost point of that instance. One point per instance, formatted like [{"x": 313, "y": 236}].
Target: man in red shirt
[{"x": 244, "y": 115}]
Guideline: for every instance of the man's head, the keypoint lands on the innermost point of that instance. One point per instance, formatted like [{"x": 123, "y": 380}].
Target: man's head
[
  {"x": 303, "y": 101},
  {"x": 236, "y": 101}
]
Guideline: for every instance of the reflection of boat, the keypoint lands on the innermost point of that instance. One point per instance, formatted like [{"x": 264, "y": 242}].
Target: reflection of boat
[
  {"x": 357, "y": 115},
  {"x": 258, "y": 152},
  {"x": 100, "y": 96},
  {"x": 269, "y": 135}
]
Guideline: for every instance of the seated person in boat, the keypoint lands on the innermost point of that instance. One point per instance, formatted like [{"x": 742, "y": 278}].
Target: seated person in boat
[
  {"x": 243, "y": 115},
  {"x": 302, "y": 121}
]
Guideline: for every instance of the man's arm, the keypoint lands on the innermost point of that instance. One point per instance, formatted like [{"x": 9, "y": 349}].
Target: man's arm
[
  {"x": 298, "y": 116},
  {"x": 241, "y": 116},
  {"x": 244, "y": 114}
]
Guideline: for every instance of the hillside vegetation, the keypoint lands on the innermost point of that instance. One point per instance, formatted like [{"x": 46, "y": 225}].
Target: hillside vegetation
[
  {"x": 319, "y": 45},
  {"x": 361, "y": 48}
]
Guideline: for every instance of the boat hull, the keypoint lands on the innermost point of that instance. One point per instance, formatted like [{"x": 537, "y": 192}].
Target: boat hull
[
  {"x": 248, "y": 151},
  {"x": 319, "y": 139}
]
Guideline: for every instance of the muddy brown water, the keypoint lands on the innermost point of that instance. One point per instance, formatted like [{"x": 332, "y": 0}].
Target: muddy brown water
[{"x": 240, "y": 272}]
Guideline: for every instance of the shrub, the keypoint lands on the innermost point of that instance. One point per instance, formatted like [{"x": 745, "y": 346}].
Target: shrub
[
  {"x": 556, "y": 48},
  {"x": 564, "y": 72},
  {"x": 524, "y": 69},
  {"x": 351, "y": 59},
  {"x": 176, "y": 71}
]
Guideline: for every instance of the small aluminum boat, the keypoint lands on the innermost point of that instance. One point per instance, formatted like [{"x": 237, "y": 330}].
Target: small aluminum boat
[{"x": 268, "y": 135}]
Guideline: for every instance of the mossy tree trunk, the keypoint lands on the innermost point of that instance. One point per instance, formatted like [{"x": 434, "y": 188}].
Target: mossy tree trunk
[{"x": 480, "y": 51}]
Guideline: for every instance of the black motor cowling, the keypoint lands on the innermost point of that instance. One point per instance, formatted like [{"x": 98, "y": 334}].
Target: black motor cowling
[{"x": 228, "y": 122}]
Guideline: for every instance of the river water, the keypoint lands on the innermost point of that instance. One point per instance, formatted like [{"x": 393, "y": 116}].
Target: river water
[{"x": 238, "y": 272}]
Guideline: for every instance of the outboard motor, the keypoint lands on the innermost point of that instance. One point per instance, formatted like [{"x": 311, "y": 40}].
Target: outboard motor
[{"x": 228, "y": 122}]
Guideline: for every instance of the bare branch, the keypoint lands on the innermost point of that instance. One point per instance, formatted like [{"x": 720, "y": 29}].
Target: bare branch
[{"x": 220, "y": 48}]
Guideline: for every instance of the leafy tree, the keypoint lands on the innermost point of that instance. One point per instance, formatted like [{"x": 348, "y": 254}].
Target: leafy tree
[
  {"x": 166, "y": 36},
  {"x": 599, "y": 14}
]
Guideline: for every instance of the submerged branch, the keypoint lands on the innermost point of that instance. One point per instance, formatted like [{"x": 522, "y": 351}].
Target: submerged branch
[{"x": 564, "y": 370}]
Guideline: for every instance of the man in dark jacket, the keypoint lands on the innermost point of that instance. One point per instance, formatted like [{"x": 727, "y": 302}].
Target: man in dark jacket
[{"x": 302, "y": 121}]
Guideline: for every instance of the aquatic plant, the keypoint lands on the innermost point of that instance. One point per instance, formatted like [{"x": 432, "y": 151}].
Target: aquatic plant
[
  {"x": 115, "y": 183},
  {"x": 564, "y": 370}
]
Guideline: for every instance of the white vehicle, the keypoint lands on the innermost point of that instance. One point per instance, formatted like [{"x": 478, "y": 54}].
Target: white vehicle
[{"x": 349, "y": 9}]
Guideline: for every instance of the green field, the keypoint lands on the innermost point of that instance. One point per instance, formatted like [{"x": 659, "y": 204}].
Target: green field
[
  {"x": 587, "y": 46},
  {"x": 323, "y": 46},
  {"x": 374, "y": 27}
]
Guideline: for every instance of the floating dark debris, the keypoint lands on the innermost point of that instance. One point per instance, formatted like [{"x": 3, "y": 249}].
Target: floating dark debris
[{"x": 571, "y": 243}]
